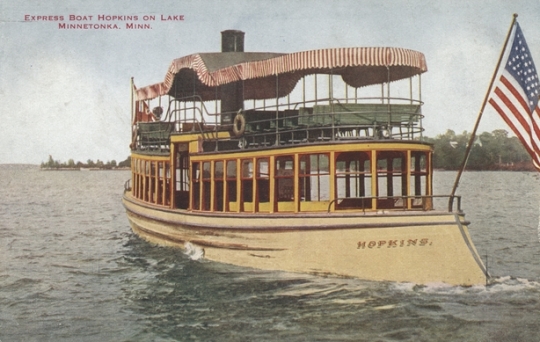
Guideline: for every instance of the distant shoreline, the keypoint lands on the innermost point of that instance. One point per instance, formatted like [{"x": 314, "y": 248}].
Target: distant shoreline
[
  {"x": 19, "y": 166},
  {"x": 83, "y": 169},
  {"x": 521, "y": 167}
]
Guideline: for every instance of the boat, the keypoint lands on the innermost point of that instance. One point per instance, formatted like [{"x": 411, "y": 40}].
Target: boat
[{"x": 307, "y": 162}]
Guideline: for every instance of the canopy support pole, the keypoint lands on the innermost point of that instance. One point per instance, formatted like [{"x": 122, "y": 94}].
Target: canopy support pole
[
  {"x": 420, "y": 104},
  {"x": 473, "y": 134}
]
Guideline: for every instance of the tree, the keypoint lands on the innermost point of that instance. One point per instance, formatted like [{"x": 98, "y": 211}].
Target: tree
[
  {"x": 125, "y": 163},
  {"x": 449, "y": 150},
  {"x": 491, "y": 151}
]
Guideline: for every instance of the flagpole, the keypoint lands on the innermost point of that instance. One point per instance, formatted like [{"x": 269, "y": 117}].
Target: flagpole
[
  {"x": 133, "y": 114},
  {"x": 473, "y": 134},
  {"x": 132, "y": 101}
]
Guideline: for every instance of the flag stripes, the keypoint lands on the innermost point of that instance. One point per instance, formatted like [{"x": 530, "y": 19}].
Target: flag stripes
[{"x": 515, "y": 96}]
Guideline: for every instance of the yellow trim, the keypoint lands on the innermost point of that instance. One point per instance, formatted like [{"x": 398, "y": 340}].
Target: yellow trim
[
  {"x": 164, "y": 184},
  {"x": 156, "y": 182},
  {"x": 314, "y": 206},
  {"x": 352, "y": 147},
  {"x": 374, "y": 178},
  {"x": 191, "y": 183},
  {"x": 249, "y": 207},
  {"x": 429, "y": 169},
  {"x": 285, "y": 206},
  {"x": 254, "y": 199},
  {"x": 151, "y": 158},
  {"x": 212, "y": 185},
  {"x": 264, "y": 207},
  {"x": 201, "y": 187},
  {"x": 239, "y": 197},
  {"x": 332, "y": 171},
  {"x": 226, "y": 202},
  {"x": 296, "y": 182},
  {"x": 409, "y": 192},
  {"x": 194, "y": 146},
  {"x": 272, "y": 173},
  {"x": 172, "y": 185},
  {"x": 176, "y": 138}
]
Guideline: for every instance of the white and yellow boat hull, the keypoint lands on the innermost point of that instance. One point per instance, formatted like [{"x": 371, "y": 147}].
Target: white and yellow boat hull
[{"x": 418, "y": 247}]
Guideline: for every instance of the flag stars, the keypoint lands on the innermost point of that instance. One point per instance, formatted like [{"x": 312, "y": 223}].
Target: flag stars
[{"x": 521, "y": 66}]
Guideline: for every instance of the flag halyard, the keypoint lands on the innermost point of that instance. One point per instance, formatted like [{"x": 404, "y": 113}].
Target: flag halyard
[{"x": 515, "y": 97}]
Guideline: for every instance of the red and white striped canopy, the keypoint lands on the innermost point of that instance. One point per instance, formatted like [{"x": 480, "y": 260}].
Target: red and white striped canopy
[{"x": 270, "y": 75}]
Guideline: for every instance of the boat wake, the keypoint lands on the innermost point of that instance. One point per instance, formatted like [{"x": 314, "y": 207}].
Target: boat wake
[
  {"x": 512, "y": 284},
  {"x": 496, "y": 285},
  {"x": 194, "y": 252}
]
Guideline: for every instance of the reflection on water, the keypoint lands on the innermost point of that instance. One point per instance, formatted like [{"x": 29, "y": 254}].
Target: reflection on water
[{"x": 72, "y": 270}]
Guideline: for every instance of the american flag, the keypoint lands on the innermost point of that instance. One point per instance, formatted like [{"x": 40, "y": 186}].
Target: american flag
[{"x": 516, "y": 96}]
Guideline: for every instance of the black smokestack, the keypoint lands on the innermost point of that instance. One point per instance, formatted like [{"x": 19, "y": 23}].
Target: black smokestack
[
  {"x": 232, "y": 94},
  {"x": 232, "y": 41}
]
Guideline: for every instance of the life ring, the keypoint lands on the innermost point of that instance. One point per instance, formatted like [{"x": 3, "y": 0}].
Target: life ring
[{"x": 239, "y": 124}]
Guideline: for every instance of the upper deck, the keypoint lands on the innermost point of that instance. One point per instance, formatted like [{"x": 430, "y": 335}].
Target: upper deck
[{"x": 235, "y": 100}]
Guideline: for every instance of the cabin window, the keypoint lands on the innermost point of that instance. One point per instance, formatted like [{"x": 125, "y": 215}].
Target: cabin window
[
  {"x": 419, "y": 174},
  {"x": 182, "y": 173},
  {"x": 353, "y": 180},
  {"x": 391, "y": 179},
  {"x": 314, "y": 177},
  {"x": 151, "y": 181},
  {"x": 140, "y": 178},
  {"x": 135, "y": 176},
  {"x": 152, "y": 188},
  {"x": 145, "y": 172},
  {"x": 218, "y": 185},
  {"x": 263, "y": 184},
  {"x": 284, "y": 177},
  {"x": 167, "y": 184},
  {"x": 160, "y": 179},
  {"x": 182, "y": 180},
  {"x": 196, "y": 185},
  {"x": 231, "y": 183},
  {"x": 247, "y": 182},
  {"x": 206, "y": 184}
]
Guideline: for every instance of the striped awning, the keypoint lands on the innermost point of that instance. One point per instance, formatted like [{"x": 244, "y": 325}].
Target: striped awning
[{"x": 270, "y": 75}]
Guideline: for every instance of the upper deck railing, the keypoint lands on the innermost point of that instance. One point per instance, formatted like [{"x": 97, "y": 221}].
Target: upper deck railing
[{"x": 321, "y": 120}]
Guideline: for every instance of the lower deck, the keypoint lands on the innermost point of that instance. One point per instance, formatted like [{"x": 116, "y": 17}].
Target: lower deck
[{"x": 344, "y": 177}]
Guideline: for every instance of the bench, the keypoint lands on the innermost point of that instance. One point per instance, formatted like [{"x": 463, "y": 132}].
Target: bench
[
  {"x": 259, "y": 120},
  {"x": 155, "y": 133},
  {"x": 361, "y": 114}
]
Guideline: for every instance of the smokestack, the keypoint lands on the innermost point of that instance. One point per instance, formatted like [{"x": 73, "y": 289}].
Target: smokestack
[
  {"x": 232, "y": 94},
  {"x": 232, "y": 41}
]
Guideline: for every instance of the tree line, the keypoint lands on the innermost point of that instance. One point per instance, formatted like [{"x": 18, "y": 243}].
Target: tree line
[
  {"x": 90, "y": 164},
  {"x": 490, "y": 151}
]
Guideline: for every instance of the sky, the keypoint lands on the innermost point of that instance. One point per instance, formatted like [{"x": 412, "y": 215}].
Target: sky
[{"x": 65, "y": 93}]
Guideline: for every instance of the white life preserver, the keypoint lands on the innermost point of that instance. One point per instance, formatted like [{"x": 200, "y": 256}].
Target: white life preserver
[{"x": 239, "y": 124}]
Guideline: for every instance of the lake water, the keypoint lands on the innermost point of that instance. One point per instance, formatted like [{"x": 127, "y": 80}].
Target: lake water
[{"x": 72, "y": 270}]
